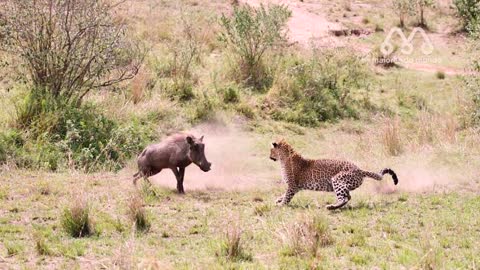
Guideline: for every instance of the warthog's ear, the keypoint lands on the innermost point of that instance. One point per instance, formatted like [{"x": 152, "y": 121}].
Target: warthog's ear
[
  {"x": 201, "y": 138},
  {"x": 274, "y": 144},
  {"x": 190, "y": 140}
]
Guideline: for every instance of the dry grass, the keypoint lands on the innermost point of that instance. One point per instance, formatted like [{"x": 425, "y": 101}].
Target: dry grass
[
  {"x": 232, "y": 245},
  {"x": 431, "y": 258},
  {"x": 391, "y": 139},
  {"x": 138, "y": 215},
  {"x": 434, "y": 128},
  {"x": 139, "y": 85},
  {"x": 306, "y": 236}
]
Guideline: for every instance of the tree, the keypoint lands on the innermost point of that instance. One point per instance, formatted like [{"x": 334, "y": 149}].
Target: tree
[
  {"x": 403, "y": 8},
  {"x": 250, "y": 32},
  {"x": 69, "y": 47},
  {"x": 422, "y": 5}
]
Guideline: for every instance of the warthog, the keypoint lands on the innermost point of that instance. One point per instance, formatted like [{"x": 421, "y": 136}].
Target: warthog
[{"x": 175, "y": 153}]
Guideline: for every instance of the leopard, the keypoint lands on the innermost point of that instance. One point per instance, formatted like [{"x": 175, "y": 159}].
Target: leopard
[{"x": 330, "y": 175}]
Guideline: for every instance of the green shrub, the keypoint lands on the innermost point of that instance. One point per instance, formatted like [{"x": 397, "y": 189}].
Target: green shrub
[
  {"x": 202, "y": 109},
  {"x": 440, "y": 75},
  {"x": 230, "y": 95},
  {"x": 250, "y": 33},
  {"x": 246, "y": 110},
  {"x": 469, "y": 12},
  {"x": 76, "y": 220},
  {"x": 324, "y": 87},
  {"x": 9, "y": 142},
  {"x": 77, "y": 138}
]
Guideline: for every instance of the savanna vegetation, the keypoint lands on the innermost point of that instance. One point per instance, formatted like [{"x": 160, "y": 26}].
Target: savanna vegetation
[{"x": 86, "y": 85}]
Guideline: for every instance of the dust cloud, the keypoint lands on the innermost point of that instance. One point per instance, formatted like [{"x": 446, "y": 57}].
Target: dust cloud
[
  {"x": 239, "y": 161},
  {"x": 417, "y": 176}
]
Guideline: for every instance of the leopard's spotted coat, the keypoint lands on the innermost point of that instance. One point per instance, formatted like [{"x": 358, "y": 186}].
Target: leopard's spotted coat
[{"x": 330, "y": 175}]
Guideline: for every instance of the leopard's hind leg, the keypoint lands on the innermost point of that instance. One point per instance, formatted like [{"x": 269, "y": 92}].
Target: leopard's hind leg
[{"x": 339, "y": 183}]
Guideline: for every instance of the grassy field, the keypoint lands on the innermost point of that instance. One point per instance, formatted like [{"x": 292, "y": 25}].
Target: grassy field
[
  {"x": 414, "y": 120},
  {"x": 434, "y": 230},
  {"x": 429, "y": 221}
]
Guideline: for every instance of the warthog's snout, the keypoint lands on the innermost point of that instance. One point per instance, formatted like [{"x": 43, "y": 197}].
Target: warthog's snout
[{"x": 206, "y": 167}]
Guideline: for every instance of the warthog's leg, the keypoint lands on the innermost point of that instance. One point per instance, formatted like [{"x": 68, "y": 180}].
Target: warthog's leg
[
  {"x": 181, "y": 171},
  {"x": 179, "y": 177},
  {"x": 146, "y": 174}
]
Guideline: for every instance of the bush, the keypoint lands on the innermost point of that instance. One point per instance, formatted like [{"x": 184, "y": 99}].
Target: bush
[
  {"x": 323, "y": 87},
  {"x": 440, "y": 75},
  {"x": 75, "y": 138},
  {"x": 245, "y": 110},
  {"x": 66, "y": 56},
  {"x": 185, "y": 51},
  {"x": 10, "y": 141},
  {"x": 250, "y": 33},
  {"x": 203, "y": 108},
  {"x": 76, "y": 220},
  {"x": 403, "y": 8},
  {"x": 469, "y": 12},
  {"x": 230, "y": 95},
  {"x": 387, "y": 60}
]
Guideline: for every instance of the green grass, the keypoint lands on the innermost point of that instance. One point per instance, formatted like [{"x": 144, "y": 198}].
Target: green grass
[{"x": 374, "y": 230}]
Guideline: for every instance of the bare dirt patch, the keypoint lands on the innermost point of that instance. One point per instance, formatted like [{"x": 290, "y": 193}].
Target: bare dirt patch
[{"x": 307, "y": 27}]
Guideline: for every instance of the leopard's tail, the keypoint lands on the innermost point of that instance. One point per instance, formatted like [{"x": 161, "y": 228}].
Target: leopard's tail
[{"x": 379, "y": 176}]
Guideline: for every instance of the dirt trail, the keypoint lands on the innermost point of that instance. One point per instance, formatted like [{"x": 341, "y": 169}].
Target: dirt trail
[{"x": 306, "y": 27}]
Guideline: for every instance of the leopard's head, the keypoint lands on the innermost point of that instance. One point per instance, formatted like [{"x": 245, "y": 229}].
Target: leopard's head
[{"x": 280, "y": 150}]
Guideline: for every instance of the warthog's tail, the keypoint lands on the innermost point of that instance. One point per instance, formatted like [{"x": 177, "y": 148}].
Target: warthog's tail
[
  {"x": 379, "y": 176},
  {"x": 137, "y": 176}
]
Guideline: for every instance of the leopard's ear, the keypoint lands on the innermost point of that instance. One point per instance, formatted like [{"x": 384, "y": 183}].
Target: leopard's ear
[{"x": 274, "y": 144}]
